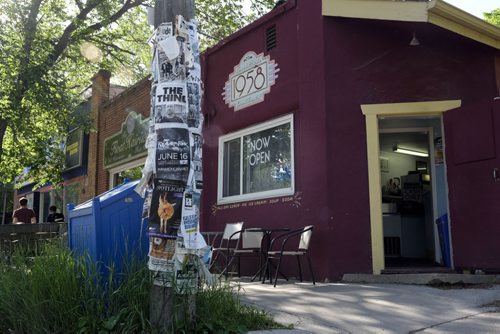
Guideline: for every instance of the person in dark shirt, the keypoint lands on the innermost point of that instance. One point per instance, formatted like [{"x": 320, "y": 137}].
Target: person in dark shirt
[
  {"x": 23, "y": 215},
  {"x": 54, "y": 216}
]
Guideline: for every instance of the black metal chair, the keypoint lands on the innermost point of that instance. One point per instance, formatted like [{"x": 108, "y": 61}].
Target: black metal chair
[
  {"x": 229, "y": 242},
  {"x": 251, "y": 246},
  {"x": 302, "y": 249}
]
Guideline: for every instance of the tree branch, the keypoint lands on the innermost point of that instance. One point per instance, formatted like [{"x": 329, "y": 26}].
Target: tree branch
[
  {"x": 79, "y": 4},
  {"x": 113, "y": 18},
  {"x": 63, "y": 42},
  {"x": 111, "y": 45},
  {"x": 29, "y": 35}
]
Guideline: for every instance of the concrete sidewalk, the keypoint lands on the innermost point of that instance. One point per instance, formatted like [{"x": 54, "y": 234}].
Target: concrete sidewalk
[{"x": 376, "y": 308}]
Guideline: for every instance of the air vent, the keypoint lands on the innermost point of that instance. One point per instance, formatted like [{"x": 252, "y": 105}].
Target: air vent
[{"x": 270, "y": 38}]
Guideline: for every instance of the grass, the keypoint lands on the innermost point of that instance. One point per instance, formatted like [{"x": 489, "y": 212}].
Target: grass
[{"x": 58, "y": 293}]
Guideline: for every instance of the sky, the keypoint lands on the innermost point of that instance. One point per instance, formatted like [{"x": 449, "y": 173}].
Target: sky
[{"x": 475, "y": 7}]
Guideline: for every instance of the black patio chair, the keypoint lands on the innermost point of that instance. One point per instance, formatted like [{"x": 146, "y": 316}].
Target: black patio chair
[
  {"x": 224, "y": 251},
  {"x": 251, "y": 246},
  {"x": 287, "y": 249}
]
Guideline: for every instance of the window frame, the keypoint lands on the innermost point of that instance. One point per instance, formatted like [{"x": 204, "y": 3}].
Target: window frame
[{"x": 240, "y": 134}]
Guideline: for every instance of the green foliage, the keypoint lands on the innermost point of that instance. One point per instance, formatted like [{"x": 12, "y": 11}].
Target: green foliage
[
  {"x": 45, "y": 65},
  {"x": 493, "y": 17},
  {"x": 43, "y": 71},
  {"x": 220, "y": 310},
  {"x": 220, "y": 18},
  {"x": 58, "y": 293}
]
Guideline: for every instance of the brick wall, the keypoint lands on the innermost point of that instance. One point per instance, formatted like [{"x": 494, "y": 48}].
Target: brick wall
[
  {"x": 100, "y": 95},
  {"x": 112, "y": 115}
]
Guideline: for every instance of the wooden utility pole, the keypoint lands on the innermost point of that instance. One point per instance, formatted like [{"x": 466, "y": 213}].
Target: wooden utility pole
[
  {"x": 166, "y": 10},
  {"x": 162, "y": 310}
]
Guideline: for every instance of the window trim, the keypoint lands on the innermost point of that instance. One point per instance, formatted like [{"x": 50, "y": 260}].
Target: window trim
[{"x": 239, "y": 134}]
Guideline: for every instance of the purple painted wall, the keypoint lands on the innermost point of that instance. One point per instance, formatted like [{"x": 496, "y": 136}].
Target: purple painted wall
[
  {"x": 298, "y": 90},
  {"x": 473, "y": 152},
  {"x": 372, "y": 62},
  {"x": 328, "y": 68}
]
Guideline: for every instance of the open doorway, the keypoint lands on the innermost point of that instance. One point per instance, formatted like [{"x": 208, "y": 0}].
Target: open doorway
[{"x": 413, "y": 189}]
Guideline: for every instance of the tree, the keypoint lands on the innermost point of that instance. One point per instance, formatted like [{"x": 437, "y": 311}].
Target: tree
[
  {"x": 42, "y": 72},
  {"x": 220, "y": 18},
  {"x": 493, "y": 17},
  {"x": 43, "y": 69}
]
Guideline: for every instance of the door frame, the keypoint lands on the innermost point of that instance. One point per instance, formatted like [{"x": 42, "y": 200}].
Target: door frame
[{"x": 372, "y": 112}]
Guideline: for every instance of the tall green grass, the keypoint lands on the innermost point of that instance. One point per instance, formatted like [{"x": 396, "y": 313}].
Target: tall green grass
[{"x": 58, "y": 293}]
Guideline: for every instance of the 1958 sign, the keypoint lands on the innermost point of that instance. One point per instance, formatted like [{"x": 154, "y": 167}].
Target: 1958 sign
[{"x": 251, "y": 81}]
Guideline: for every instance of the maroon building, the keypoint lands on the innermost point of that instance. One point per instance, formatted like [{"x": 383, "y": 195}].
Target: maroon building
[{"x": 305, "y": 110}]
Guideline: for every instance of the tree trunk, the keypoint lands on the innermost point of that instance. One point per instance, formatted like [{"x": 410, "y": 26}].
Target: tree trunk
[{"x": 3, "y": 128}]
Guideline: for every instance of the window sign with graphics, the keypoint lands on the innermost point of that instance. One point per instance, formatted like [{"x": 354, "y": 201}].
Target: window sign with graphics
[
  {"x": 129, "y": 143},
  {"x": 257, "y": 162},
  {"x": 250, "y": 81},
  {"x": 74, "y": 147}
]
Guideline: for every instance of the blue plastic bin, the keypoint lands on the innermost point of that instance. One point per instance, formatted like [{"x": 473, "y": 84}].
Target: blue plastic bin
[
  {"x": 108, "y": 227},
  {"x": 444, "y": 239}
]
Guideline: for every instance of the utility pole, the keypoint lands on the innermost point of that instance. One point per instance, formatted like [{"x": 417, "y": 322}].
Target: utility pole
[
  {"x": 165, "y": 208},
  {"x": 166, "y": 10}
]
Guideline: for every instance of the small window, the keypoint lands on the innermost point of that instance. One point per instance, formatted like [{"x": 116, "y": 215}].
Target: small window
[
  {"x": 257, "y": 162},
  {"x": 270, "y": 38}
]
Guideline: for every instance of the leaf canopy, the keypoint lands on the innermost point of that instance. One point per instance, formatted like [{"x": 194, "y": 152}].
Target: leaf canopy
[{"x": 49, "y": 51}]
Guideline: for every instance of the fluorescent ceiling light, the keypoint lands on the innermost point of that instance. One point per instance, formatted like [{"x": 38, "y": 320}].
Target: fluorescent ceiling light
[{"x": 397, "y": 149}]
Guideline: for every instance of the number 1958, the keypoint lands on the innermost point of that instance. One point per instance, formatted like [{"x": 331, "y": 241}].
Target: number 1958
[{"x": 249, "y": 82}]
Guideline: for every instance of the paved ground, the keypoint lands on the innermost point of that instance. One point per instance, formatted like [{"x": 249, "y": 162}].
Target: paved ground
[{"x": 377, "y": 308}]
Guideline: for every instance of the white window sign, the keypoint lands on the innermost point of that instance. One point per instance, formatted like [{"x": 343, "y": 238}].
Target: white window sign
[
  {"x": 257, "y": 162},
  {"x": 251, "y": 81}
]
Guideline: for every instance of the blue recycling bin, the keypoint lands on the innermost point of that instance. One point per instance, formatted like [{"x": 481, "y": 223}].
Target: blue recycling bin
[
  {"x": 444, "y": 239},
  {"x": 109, "y": 228}
]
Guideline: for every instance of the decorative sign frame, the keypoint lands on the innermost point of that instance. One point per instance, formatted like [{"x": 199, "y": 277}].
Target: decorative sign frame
[
  {"x": 129, "y": 143},
  {"x": 250, "y": 81}
]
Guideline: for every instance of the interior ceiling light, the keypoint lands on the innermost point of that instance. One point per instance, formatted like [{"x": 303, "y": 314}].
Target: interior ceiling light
[{"x": 409, "y": 151}]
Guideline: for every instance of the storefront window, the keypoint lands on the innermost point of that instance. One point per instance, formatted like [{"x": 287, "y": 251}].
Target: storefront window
[
  {"x": 131, "y": 174},
  {"x": 72, "y": 193},
  {"x": 257, "y": 162}
]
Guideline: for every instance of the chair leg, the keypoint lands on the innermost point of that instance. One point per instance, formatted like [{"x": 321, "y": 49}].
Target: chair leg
[
  {"x": 310, "y": 269},
  {"x": 266, "y": 272},
  {"x": 277, "y": 270},
  {"x": 300, "y": 268},
  {"x": 260, "y": 264},
  {"x": 213, "y": 261}
]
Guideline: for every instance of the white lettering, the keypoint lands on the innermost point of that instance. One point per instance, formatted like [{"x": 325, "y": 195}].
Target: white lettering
[
  {"x": 259, "y": 144},
  {"x": 259, "y": 158}
]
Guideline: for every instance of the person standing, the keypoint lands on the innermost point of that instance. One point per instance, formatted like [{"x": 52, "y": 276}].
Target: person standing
[
  {"x": 23, "y": 215},
  {"x": 54, "y": 216}
]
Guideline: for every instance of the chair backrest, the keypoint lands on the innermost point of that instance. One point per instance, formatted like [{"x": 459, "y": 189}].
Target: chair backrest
[
  {"x": 251, "y": 239},
  {"x": 230, "y": 231},
  {"x": 305, "y": 237}
]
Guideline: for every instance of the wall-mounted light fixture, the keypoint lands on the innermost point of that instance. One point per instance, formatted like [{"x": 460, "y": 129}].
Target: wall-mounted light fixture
[
  {"x": 414, "y": 41},
  {"x": 409, "y": 151}
]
